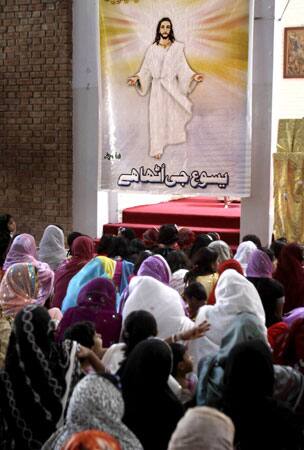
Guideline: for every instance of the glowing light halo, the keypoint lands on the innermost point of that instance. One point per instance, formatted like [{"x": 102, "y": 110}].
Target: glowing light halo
[{"x": 216, "y": 44}]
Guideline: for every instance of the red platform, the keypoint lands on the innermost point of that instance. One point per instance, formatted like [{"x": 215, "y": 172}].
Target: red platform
[{"x": 201, "y": 214}]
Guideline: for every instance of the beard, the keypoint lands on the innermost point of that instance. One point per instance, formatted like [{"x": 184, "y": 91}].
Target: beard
[{"x": 164, "y": 35}]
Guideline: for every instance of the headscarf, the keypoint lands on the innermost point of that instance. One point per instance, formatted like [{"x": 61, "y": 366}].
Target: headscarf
[
  {"x": 162, "y": 301},
  {"x": 177, "y": 280},
  {"x": 157, "y": 267},
  {"x": 222, "y": 249},
  {"x": 243, "y": 253},
  {"x": 95, "y": 404},
  {"x": 203, "y": 428},
  {"x": 243, "y": 328},
  {"x": 234, "y": 295},
  {"x": 92, "y": 440},
  {"x": 23, "y": 250},
  {"x": 293, "y": 351},
  {"x": 18, "y": 288},
  {"x": 51, "y": 247},
  {"x": 228, "y": 264},
  {"x": 277, "y": 335},
  {"x": 36, "y": 383},
  {"x": 293, "y": 315},
  {"x": 290, "y": 273},
  {"x": 151, "y": 409},
  {"x": 150, "y": 237},
  {"x": 101, "y": 266},
  {"x": 259, "y": 265},
  {"x": 186, "y": 237},
  {"x": 248, "y": 389},
  {"x": 82, "y": 252},
  {"x": 96, "y": 303}
]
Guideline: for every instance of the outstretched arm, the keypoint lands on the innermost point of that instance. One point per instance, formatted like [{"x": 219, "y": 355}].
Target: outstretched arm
[
  {"x": 194, "y": 333},
  {"x": 133, "y": 80}
]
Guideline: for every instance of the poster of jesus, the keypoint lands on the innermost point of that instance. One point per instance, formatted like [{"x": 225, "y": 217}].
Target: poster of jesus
[
  {"x": 166, "y": 74},
  {"x": 174, "y": 114}
]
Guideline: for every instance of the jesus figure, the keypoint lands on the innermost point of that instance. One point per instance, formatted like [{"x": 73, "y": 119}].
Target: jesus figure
[{"x": 166, "y": 70}]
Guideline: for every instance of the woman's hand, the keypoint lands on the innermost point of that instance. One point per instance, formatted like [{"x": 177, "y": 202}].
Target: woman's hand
[{"x": 195, "y": 333}]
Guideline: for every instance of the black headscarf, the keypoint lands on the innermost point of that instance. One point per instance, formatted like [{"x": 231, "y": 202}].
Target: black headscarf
[
  {"x": 260, "y": 421},
  {"x": 33, "y": 381},
  {"x": 151, "y": 409}
]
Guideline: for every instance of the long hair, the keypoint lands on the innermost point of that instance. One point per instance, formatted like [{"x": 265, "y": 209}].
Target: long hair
[{"x": 158, "y": 36}]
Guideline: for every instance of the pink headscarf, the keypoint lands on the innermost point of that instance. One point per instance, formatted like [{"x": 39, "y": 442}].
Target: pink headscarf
[
  {"x": 23, "y": 250},
  {"x": 259, "y": 265},
  {"x": 82, "y": 252},
  {"x": 18, "y": 288}
]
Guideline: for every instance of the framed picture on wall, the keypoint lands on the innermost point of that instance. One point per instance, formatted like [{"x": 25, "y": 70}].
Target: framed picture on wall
[{"x": 294, "y": 52}]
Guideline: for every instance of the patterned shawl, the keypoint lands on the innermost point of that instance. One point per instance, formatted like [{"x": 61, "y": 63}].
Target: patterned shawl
[
  {"x": 36, "y": 382},
  {"x": 95, "y": 404},
  {"x": 18, "y": 288}
]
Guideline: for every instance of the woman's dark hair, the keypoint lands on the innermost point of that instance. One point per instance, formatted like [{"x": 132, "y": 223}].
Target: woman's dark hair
[
  {"x": 118, "y": 248},
  {"x": 81, "y": 332},
  {"x": 177, "y": 260},
  {"x": 158, "y": 36},
  {"x": 168, "y": 234},
  {"x": 104, "y": 244},
  {"x": 277, "y": 247},
  {"x": 201, "y": 241},
  {"x": 178, "y": 352},
  {"x": 253, "y": 238},
  {"x": 140, "y": 259},
  {"x": 71, "y": 238},
  {"x": 202, "y": 261},
  {"x": 136, "y": 247},
  {"x": 139, "y": 325},
  {"x": 196, "y": 290},
  {"x": 5, "y": 237},
  {"x": 127, "y": 233},
  {"x": 4, "y": 220}
]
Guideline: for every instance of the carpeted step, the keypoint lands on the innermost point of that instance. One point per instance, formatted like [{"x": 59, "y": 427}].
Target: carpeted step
[{"x": 186, "y": 213}]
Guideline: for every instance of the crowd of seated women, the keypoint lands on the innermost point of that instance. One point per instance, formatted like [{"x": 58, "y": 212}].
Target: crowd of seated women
[{"x": 168, "y": 342}]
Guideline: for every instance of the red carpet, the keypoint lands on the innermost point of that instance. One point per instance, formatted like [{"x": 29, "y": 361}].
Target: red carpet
[{"x": 198, "y": 213}]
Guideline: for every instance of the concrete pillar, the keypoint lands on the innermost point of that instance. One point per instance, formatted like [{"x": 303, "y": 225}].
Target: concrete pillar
[{"x": 257, "y": 211}]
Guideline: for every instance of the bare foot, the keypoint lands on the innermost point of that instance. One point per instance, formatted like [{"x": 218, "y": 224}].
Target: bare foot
[{"x": 157, "y": 156}]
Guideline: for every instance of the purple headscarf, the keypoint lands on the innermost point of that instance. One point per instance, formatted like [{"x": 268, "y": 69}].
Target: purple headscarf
[
  {"x": 259, "y": 265},
  {"x": 156, "y": 267},
  {"x": 23, "y": 250},
  {"x": 96, "y": 302}
]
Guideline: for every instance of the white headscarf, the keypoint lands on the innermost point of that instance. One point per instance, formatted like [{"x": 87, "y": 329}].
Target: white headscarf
[
  {"x": 51, "y": 247},
  {"x": 177, "y": 280},
  {"x": 244, "y": 252},
  {"x": 234, "y": 295},
  {"x": 161, "y": 300},
  {"x": 203, "y": 428},
  {"x": 222, "y": 249}
]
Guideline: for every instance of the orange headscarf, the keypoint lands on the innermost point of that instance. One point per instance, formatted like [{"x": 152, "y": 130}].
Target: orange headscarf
[{"x": 92, "y": 440}]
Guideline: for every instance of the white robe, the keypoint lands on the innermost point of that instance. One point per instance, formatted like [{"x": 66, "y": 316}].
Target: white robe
[{"x": 167, "y": 72}]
